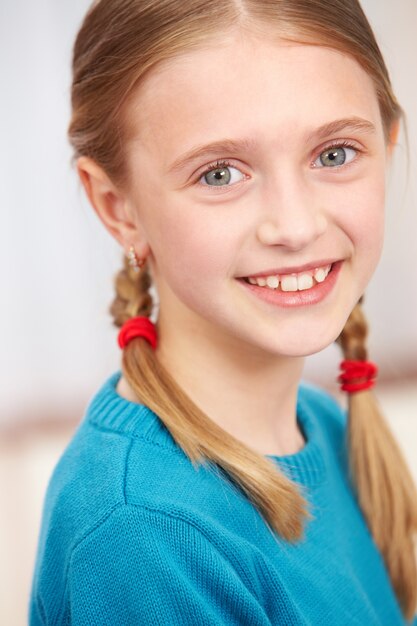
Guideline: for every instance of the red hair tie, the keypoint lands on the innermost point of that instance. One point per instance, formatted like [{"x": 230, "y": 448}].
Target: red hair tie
[
  {"x": 354, "y": 370},
  {"x": 137, "y": 327}
]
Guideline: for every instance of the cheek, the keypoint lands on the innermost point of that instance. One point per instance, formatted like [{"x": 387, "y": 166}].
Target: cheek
[
  {"x": 190, "y": 245},
  {"x": 373, "y": 221},
  {"x": 193, "y": 262},
  {"x": 362, "y": 216}
]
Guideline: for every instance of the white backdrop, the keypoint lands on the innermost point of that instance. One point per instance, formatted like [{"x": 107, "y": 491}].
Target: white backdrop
[{"x": 58, "y": 261}]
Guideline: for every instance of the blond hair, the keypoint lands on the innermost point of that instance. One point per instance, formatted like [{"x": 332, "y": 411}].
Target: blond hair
[{"x": 118, "y": 43}]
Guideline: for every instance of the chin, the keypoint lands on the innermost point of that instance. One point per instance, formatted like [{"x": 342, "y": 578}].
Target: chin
[{"x": 302, "y": 346}]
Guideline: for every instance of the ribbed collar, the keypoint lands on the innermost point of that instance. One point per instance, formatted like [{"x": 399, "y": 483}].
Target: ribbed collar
[
  {"x": 107, "y": 409},
  {"x": 307, "y": 466}
]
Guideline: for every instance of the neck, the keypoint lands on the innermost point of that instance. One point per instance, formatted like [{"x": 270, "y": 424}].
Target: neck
[{"x": 250, "y": 394}]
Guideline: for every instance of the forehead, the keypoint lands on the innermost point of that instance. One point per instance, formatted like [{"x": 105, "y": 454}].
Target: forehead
[{"x": 243, "y": 86}]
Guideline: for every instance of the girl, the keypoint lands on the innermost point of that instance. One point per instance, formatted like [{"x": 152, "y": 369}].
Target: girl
[{"x": 237, "y": 150}]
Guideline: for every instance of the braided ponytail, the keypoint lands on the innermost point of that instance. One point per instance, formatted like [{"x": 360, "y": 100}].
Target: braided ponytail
[
  {"x": 379, "y": 475},
  {"x": 132, "y": 294}
]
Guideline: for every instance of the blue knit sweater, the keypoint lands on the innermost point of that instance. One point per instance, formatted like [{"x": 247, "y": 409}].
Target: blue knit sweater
[{"x": 132, "y": 534}]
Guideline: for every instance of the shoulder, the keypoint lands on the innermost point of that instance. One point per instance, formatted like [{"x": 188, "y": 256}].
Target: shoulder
[
  {"x": 147, "y": 529},
  {"x": 143, "y": 563},
  {"x": 121, "y": 454}
]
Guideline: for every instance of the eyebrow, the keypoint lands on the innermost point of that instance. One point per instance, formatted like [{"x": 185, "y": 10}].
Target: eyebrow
[{"x": 234, "y": 146}]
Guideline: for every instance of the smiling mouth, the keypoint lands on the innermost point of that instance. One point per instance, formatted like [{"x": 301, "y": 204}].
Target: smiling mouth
[{"x": 301, "y": 281}]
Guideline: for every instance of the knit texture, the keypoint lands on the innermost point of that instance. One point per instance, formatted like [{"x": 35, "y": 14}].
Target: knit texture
[{"x": 133, "y": 534}]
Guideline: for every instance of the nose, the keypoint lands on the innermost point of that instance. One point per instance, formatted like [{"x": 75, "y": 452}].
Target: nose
[{"x": 293, "y": 219}]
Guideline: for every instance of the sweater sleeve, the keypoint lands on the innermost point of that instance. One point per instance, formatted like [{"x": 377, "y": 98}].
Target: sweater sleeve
[{"x": 142, "y": 566}]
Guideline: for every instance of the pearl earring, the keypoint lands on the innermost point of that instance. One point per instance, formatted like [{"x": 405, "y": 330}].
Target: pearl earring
[{"x": 134, "y": 261}]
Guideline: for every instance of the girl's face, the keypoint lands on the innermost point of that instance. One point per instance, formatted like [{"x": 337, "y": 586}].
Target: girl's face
[{"x": 280, "y": 202}]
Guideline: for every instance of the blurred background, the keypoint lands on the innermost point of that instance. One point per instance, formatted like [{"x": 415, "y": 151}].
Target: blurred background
[{"x": 58, "y": 264}]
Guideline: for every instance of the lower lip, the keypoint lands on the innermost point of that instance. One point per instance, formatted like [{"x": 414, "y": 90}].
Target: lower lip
[{"x": 297, "y": 298}]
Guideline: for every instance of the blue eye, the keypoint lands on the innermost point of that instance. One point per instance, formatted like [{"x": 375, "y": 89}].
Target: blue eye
[
  {"x": 335, "y": 155},
  {"x": 220, "y": 174}
]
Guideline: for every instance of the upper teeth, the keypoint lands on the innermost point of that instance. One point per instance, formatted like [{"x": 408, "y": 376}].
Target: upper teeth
[{"x": 293, "y": 282}]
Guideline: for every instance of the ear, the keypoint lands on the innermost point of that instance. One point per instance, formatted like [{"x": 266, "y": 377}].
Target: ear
[
  {"x": 111, "y": 206},
  {"x": 393, "y": 136}
]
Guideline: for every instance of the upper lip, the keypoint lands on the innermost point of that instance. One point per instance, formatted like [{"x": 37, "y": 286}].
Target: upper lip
[{"x": 293, "y": 270}]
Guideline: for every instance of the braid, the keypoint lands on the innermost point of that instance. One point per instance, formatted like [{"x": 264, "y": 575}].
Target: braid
[
  {"x": 379, "y": 474},
  {"x": 132, "y": 294},
  {"x": 353, "y": 336}
]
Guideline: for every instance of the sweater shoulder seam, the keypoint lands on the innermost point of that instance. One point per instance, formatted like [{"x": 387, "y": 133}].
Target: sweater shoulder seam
[
  {"x": 77, "y": 543},
  {"x": 177, "y": 516},
  {"x": 134, "y": 437}
]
